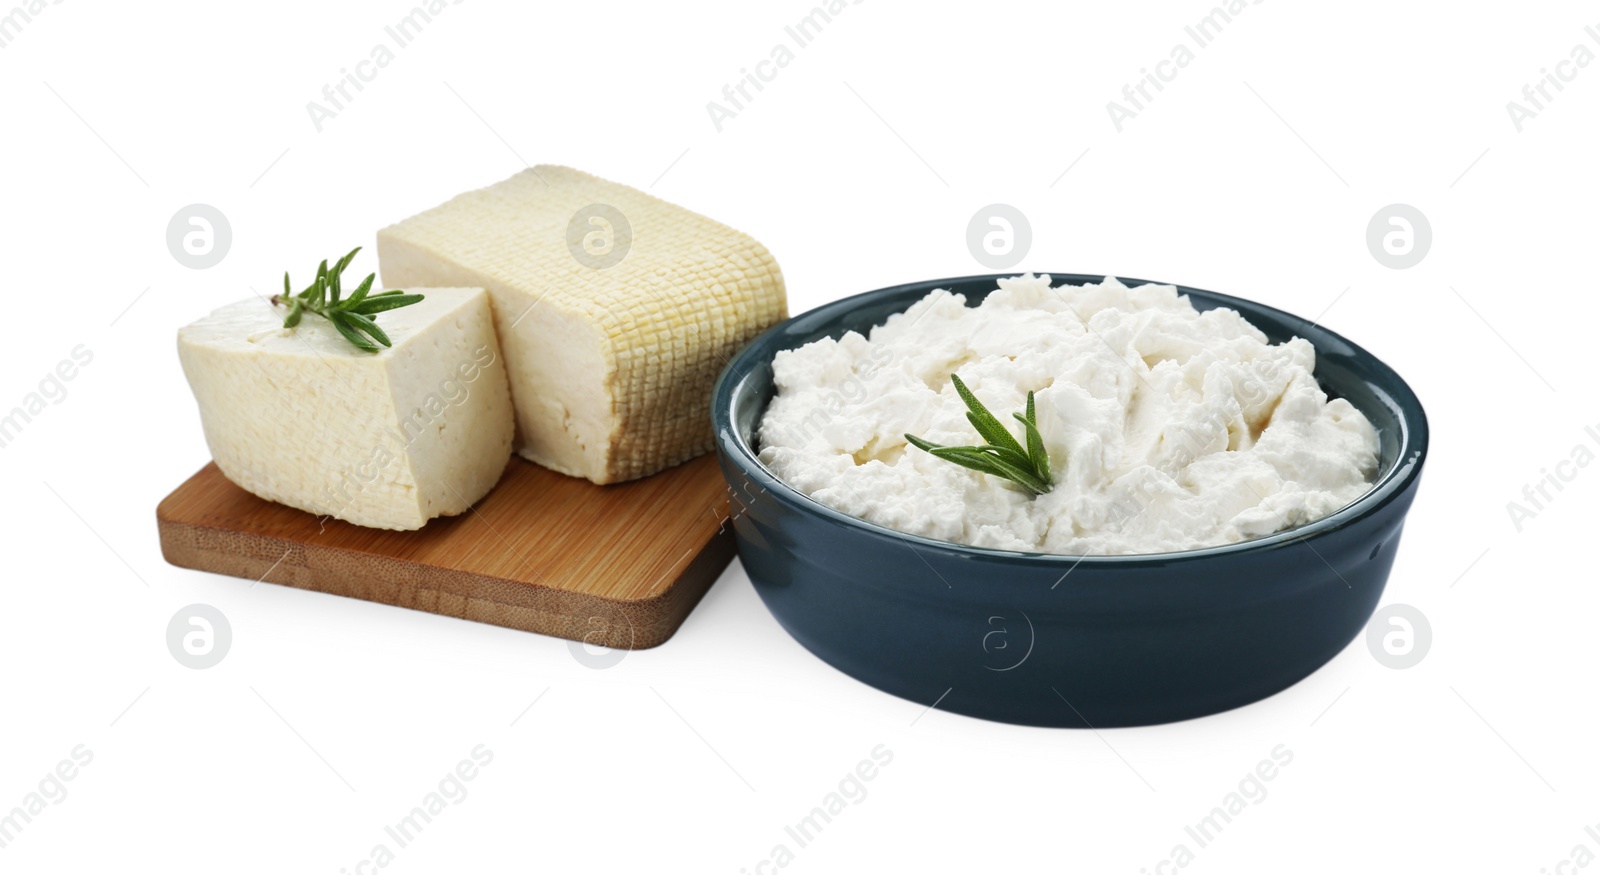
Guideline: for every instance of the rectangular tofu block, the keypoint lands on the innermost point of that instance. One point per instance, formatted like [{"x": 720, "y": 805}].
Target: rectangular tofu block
[
  {"x": 616, "y": 311},
  {"x": 387, "y": 439}
]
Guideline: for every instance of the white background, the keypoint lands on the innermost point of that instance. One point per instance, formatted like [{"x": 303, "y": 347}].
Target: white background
[{"x": 859, "y": 166}]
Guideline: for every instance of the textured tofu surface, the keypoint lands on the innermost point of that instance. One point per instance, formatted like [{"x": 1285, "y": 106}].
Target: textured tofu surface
[
  {"x": 611, "y": 369},
  {"x": 389, "y": 439}
]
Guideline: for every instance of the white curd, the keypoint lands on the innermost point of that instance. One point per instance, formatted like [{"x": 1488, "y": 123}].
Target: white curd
[{"x": 1167, "y": 428}]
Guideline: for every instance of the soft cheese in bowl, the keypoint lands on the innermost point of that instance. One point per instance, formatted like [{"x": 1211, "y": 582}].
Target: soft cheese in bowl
[
  {"x": 1223, "y": 518},
  {"x": 1163, "y": 427},
  {"x": 388, "y": 438}
]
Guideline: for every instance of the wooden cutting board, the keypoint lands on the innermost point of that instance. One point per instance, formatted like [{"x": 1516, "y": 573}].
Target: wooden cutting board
[{"x": 616, "y": 566}]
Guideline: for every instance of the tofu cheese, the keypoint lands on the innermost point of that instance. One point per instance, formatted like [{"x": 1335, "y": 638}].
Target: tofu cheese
[
  {"x": 389, "y": 439},
  {"x": 610, "y": 361}
]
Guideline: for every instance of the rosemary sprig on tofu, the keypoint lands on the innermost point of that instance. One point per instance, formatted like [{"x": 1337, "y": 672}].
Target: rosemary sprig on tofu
[
  {"x": 1001, "y": 455},
  {"x": 355, "y": 316}
]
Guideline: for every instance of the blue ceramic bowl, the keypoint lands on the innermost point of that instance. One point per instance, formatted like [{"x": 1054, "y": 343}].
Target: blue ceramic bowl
[{"x": 1053, "y": 640}]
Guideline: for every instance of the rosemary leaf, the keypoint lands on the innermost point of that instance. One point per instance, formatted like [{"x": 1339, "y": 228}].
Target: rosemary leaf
[
  {"x": 990, "y": 428},
  {"x": 338, "y": 320},
  {"x": 353, "y": 317},
  {"x": 359, "y": 294},
  {"x": 1002, "y": 456},
  {"x": 1035, "y": 440},
  {"x": 993, "y": 463},
  {"x": 366, "y": 326},
  {"x": 375, "y": 304},
  {"x": 977, "y": 462},
  {"x": 345, "y": 261},
  {"x": 1029, "y": 480},
  {"x": 1012, "y": 457}
]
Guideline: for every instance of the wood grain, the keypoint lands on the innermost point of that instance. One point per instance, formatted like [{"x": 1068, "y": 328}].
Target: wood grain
[{"x": 617, "y": 566}]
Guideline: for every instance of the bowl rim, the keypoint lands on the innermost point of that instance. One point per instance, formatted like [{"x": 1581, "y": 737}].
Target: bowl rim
[{"x": 1397, "y": 479}]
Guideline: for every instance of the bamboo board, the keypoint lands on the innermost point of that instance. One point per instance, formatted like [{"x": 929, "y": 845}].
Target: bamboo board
[{"x": 617, "y": 566}]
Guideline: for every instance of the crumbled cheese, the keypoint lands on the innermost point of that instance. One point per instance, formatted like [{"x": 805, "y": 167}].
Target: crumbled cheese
[{"x": 1167, "y": 428}]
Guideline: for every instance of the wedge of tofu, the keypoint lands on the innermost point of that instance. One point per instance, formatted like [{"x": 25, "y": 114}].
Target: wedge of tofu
[
  {"x": 616, "y": 311},
  {"x": 387, "y": 439}
]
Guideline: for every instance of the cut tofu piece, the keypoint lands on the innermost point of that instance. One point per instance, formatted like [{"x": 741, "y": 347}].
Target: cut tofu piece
[
  {"x": 387, "y": 439},
  {"x": 611, "y": 365}
]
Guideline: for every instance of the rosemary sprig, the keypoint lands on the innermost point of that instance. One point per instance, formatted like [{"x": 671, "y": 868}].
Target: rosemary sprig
[
  {"x": 1001, "y": 455},
  {"x": 353, "y": 316}
]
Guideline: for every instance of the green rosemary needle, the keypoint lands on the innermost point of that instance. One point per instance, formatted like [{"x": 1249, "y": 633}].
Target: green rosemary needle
[
  {"x": 353, "y": 317},
  {"x": 1001, "y": 455}
]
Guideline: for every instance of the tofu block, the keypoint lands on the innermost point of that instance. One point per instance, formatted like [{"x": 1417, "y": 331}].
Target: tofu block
[
  {"x": 611, "y": 361},
  {"x": 387, "y": 439}
]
